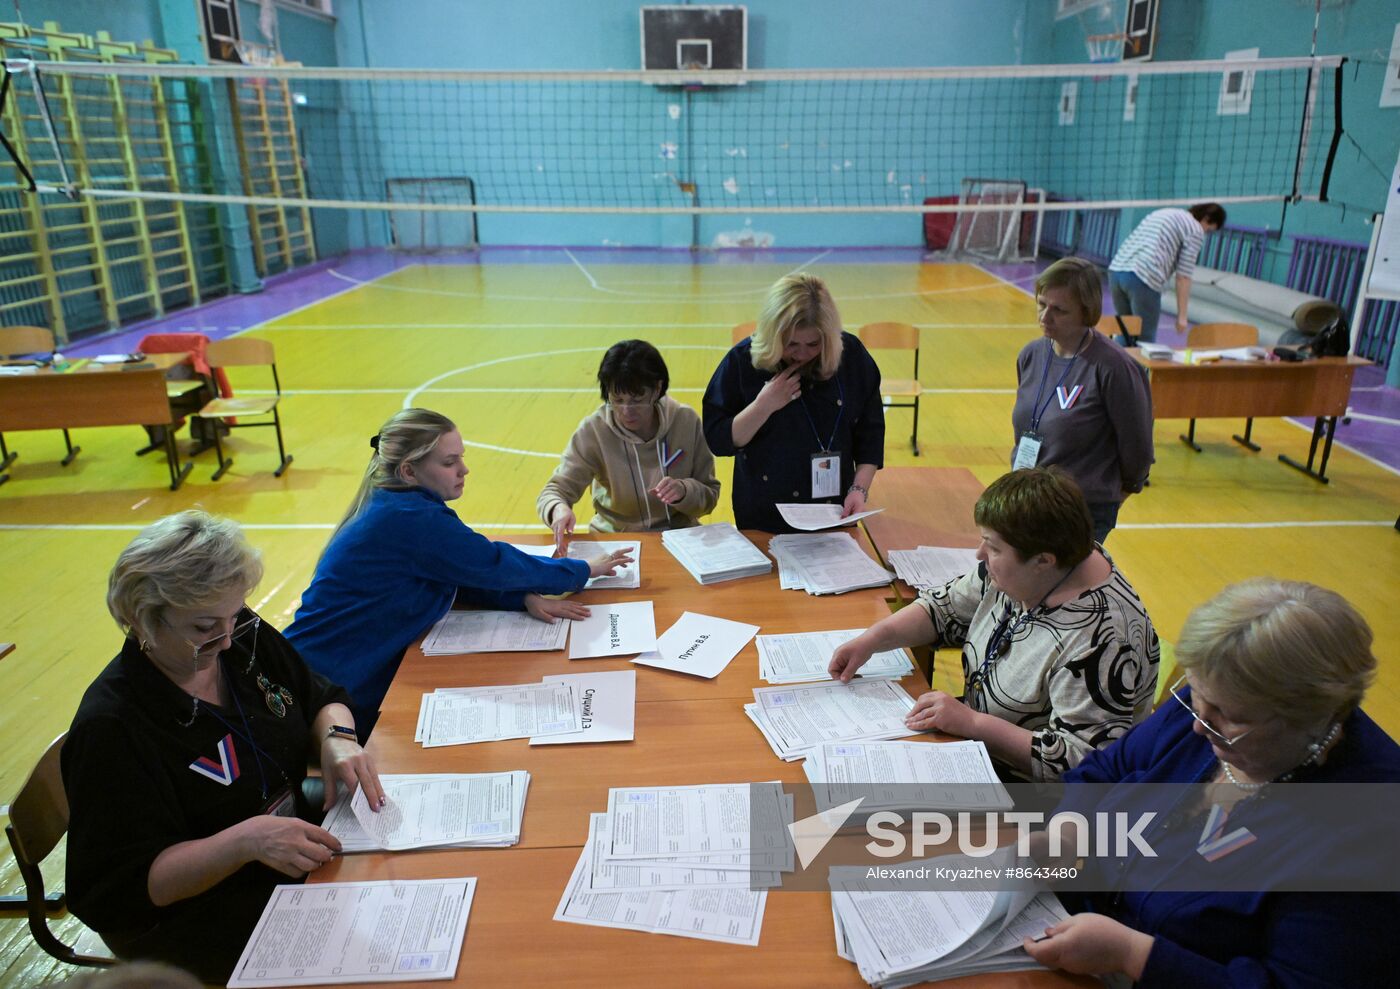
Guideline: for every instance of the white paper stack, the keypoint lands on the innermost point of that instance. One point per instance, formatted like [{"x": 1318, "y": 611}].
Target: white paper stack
[
  {"x": 810, "y": 518},
  {"x": 904, "y": 776},
  {"x": 457, "y": 810},
  {"x": 715, "y": 552},
  {"x": 825, "y": 563},
  {"x": 460, "y": 632},
  {"x": 802, "y": 657},
  {"x": 931, "y": 566},
  {"x": 683, "y": 861},
  {"x": 627, "y": 577},
  {"x": 795, "y": 720},
  {"x": 572, "y": 707},
  {"x": 901, "y": 937}
]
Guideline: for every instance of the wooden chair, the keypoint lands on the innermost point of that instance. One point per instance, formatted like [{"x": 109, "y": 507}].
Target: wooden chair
[
  {"x": 1219, "y": 336},
  {"x": 14, "y": 342},
  {"x": 38, "y": 819},
  {"x": 1112, "y": 325},
  {"x": 897, "y": 393},
  {"x": 741, "y": 332},
  {"x": 245, "y": 352}
]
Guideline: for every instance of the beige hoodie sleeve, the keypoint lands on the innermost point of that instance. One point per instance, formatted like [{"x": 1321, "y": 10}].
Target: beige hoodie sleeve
[
  {"x": 701, "y": 485},
  {"x": 578, "y": 466}
]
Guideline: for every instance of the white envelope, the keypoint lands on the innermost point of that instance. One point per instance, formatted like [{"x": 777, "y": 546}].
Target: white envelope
[
  {"x": 609, "y": 703},
  {"x": 613, "y": 630},
  {"x": 699, "y": 644}
]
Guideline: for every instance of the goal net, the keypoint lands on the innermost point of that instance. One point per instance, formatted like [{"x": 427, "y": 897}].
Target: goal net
[{"x": 991, "y": 225}]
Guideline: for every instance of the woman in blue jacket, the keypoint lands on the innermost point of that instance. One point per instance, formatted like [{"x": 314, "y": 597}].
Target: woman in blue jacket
[{"x": 401, "y": 557}]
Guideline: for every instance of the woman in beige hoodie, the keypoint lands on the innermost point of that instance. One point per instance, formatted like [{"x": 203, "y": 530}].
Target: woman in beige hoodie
[{"x": 643, "y": 452}]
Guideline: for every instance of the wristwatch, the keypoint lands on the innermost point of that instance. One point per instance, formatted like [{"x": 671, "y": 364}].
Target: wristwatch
[
  {"x": 865, "y": 492},
  {"x": 340, "y": 731}
]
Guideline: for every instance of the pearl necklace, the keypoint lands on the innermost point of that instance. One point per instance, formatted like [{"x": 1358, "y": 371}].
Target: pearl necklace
[{"x": 1315, "y": 751}]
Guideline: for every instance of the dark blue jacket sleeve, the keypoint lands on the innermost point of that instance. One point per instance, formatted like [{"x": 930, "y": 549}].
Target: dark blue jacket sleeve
[{"x": 722, "y": 402}]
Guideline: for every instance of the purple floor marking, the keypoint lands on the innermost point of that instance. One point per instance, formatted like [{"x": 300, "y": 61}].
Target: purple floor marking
[{"x": 284, "y": 293}]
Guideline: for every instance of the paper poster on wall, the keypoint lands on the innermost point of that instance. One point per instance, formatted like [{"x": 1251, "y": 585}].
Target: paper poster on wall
[
  {"x": 1390, "y": 84},
  {"x": 1385, "y": 269},
  {"x": 1130, "y": 98},
  {"x": 1069, "y": 97},
  {"x": 1237, "y": 84}
]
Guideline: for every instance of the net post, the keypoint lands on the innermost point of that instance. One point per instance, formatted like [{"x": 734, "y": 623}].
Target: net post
[
  {"x": 1336, "y": 133},
  {"x": 41, "y": 101}
]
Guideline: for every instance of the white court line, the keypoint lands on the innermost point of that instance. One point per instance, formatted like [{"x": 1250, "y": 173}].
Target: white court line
[
  {"x": 1350, "y": 523},
  {"x": 262, "y": 602},
  {"x": 1365, "y": 417},
  {"x": 1349, "y": 449},
  {"x": 1014, "y": 283}
]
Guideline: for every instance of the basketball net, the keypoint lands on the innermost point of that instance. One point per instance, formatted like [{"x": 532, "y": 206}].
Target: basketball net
[{"x": 1104, "y": 49}]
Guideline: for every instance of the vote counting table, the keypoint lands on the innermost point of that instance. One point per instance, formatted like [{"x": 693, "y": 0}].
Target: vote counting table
[{"x": 689, "y": 730}]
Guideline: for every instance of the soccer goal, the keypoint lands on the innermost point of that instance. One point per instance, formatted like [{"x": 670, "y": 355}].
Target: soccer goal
[{"x": 996, "y": 220}]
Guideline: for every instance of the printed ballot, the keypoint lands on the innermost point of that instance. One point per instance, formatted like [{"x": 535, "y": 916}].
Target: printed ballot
[
  {"x": 459, "y": 810},
  {"x": 608, "y": 704},
  {"x": 802, "y": 657},
  {"x": 463, "y": 715},
  {"x": 493, "y": 631},
  {"x": 796, "y": 719},
  {"x": 699, "y": 645},
  {"x": 931, "y": 566},
  {"x": 395, "y": 931},
  {"x": 824, "y": 563},
  {"x": 809, "y": 518},
  {"x": 619, "y": 629},
  {"x": 626, "y": 577},
  {"x": 902, "y": 776},
  {"x": 715, "y": 552}
]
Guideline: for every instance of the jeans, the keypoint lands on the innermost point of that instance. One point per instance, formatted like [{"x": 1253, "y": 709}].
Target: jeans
[
  {"x": 1134, "y": 297},
  {"x": 1105, "y": 516}
]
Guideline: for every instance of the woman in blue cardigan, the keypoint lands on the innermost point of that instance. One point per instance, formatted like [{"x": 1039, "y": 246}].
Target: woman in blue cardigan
[
  {"x": 797, "y": 405},
  {"x": 401, "y": 557},
  {"x": 1238, "y": 891}
]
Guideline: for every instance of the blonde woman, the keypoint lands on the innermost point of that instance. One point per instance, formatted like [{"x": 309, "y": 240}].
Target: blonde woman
[
  {"x": 797, "y": 405},
  {"x": 401, "y": 557}
]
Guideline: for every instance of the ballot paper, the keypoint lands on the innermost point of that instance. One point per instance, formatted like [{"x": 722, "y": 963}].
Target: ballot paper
[
  {"x": 401, "y": 930},
  {"x": 905, "y": 776},
  {"x": 607, "y": 702},
  {"x": 463, "y": 715},
  {"x": 796, "y": 719},
  {"x": 812, "y": 517},
  {"x": 825, "y": 563},
  {"x": 729, "y": 914},
  {"x": 425, "y": 811},
  {"x": 698, "y": 644},
  {"x": 715, "y": 552},
  {"x": 619, "y": 629},
  {"x": 629, "y": 576},
  {"x": 803, "y": 657},
  {"x": 646, "y": 875},
  {"x": 931, "y": 566},
  {"x": 493, "y": 631},
  {"x": 676, "y": 822}
]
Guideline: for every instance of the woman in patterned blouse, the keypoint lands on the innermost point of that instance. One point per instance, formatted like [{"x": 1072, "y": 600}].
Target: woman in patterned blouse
[{"x": 1059, "y": 657}]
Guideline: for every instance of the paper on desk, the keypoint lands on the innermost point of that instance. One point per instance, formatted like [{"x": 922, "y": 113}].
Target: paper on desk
[
  {"x": 795, "y": 719},
  {"x": 459, "y": 716},
  {"x": 609, "y": 705},
  {"x": 422, "y": 812},
  {"x": 402, "y": 930},
  {"x": 698, "y": 644},
  {"x": 614, "y": 630},
  {"x": 626, "y": 577},
  {"x": 340, "y": 819},
  {"x": 813, "y": 517},
  {"x": 648, "y": 875},
  {"x": 905, "y": 775},
  {"x": 734, "y": 916},
  {"x": 931, "y": 566},
  {"x": 664, "y": 821},
  {"x": 493, "y": 631},
  {"x": 534, "y": 549},
  {"x": 804, "y": 656}
]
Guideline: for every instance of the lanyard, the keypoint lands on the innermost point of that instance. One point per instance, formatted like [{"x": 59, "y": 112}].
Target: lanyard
[
  {"x": 1038, "y": 410},
  {"x": 246, "y": 734},
  {"x": 840, "y": 408},
  {"x": 1006, "y": 630}
]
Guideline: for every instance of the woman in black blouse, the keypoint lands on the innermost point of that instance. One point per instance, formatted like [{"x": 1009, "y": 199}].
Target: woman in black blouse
[{"x": 184, "y": 764}]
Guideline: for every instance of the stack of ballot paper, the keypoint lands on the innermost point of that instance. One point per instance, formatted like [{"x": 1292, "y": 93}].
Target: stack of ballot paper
[
  {"x": 931, "y": 566},
  {"x": 573, "y": 707},
  {"x": 398, "y": 930},
  {"x": 904, "y": 776},
  {"x": 456, "y": 810},
  {"x": 493, "y": 631},
  {"x": 627, "y": 577},
  {"x": 809, "y": 518},
  {"x": 825, "y": 563},
  {"x": 803, "y": 657},
  {"x": 795, "y": 720},
  {"x": 902, "y": 937},
  {"x": 683, "y": 860},
  {"x": 715, "y": 552}
]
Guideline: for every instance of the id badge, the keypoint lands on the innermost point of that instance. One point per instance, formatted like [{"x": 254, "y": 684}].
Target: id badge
[
  {"x": 1027, "y": 451},
  {"x": 281, "y": 804},
  {"x": 826, "y": 474}
]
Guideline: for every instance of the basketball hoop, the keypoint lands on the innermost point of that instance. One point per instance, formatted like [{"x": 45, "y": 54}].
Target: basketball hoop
[
  {"x": 1104, "y": 48},
  {"x": 255, "y": 54}
]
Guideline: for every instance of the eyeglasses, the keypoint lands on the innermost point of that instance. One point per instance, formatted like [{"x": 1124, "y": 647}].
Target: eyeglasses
[
  {"x": 1222, "y": 738},
  {"x": 621, "y": 406},
  {"x": 232, "y": 633}
]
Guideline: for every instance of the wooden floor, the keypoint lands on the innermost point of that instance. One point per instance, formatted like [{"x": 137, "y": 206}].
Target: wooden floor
[{"x": 509, "y": 351}]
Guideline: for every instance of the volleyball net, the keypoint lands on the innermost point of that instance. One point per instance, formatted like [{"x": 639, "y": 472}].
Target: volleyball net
[{"x": 760, "y": 142}]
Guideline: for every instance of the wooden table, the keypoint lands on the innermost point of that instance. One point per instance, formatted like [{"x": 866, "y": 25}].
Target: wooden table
[
  {"x": 689, "y": 730},
  {"x": 95, "y": 395},
  {"x": 1319, "y": 388}
]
